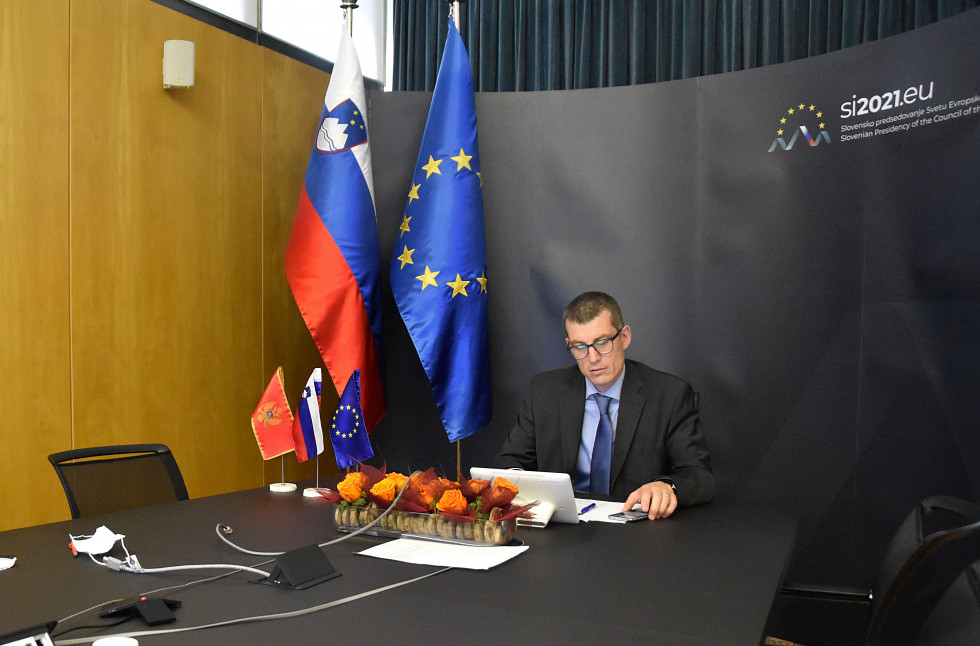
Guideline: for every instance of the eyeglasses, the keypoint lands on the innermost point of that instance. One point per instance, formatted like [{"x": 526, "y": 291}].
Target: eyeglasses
[{"x": 602, "y": 346}]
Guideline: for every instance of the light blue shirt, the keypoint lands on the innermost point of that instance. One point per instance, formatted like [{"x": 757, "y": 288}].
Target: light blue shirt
[{"x": 583, "y": 465}]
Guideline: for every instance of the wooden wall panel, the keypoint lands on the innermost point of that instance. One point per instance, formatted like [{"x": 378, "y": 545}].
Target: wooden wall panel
[
  {"x": 166, "y": 226},
  {"x": 34, "y": 352},
  {"x": 142, "y": 291}
]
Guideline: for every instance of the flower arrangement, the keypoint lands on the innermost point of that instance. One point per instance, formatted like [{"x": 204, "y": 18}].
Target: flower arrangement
[{"x": 468, "y": 510}]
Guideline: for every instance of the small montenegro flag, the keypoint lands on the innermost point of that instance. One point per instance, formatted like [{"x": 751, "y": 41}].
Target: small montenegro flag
[{"x": 272, "y": 421}]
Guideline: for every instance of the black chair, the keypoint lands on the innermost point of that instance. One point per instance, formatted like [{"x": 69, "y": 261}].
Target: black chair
[
  {"x": 955, "y": 621},
  {"x": 103, "y": 479},
  {"x": 933, "y": 546}
]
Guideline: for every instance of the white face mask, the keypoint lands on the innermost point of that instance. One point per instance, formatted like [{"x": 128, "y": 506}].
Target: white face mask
[{"x": 98, "y": 543}]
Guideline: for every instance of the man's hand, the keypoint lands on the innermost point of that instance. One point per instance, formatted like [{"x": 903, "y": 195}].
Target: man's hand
[{"x": 655, "y": 498}]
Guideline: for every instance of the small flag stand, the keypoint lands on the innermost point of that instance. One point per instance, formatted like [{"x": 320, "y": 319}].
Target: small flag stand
[
  {"x": 311, "y": 492},
  {"x": 282, "y": 486}
]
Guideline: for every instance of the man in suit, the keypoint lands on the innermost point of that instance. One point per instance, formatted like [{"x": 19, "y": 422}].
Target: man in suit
[{"x": 616, "y": 426}]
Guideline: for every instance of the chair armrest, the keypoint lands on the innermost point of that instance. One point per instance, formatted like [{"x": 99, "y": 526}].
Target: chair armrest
[{"x": 827, "y": 592}]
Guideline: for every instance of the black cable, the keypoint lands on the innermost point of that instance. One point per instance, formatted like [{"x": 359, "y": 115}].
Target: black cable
[{"x": 92, "y": 626}]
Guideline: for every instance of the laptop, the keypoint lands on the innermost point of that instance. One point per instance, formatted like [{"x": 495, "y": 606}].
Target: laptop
[{"x": 553, "y": 490}]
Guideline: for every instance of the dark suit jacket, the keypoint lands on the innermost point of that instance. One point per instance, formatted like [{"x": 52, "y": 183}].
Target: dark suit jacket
[{"x": 658, "y": 432}]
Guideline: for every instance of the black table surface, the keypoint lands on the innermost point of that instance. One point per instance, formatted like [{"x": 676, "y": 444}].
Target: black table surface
[{"x": 707, "y": 575}]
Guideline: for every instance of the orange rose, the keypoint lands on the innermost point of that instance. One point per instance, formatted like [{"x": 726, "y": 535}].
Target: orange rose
[
  {"x": 385, "y": 489},
  {"x": 452, "y": 501},
  {"x": 500, "y": 495},
  {"x": 398, "y": 479},
  {"x": 415, "y": 494},
  {"x": 352, "y": 486},
  {"x": 502, "y": 484},
  {"x": 435, "y": 486},
  {"x": 473, "y": 488}
]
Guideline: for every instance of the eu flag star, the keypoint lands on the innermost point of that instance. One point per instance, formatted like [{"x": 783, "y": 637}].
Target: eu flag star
[
  {"x": 414, "y": 193},
  {"x": 432, "y": 167},
  {"x": 428, "y": 278},
  {"x": 462, "y": 161},
  {"x": 459, "y": 286},
  {"x": 406, "y": 257}
]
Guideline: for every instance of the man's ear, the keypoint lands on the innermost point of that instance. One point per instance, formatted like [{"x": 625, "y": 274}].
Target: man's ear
[{"x": 626, "y": 335}]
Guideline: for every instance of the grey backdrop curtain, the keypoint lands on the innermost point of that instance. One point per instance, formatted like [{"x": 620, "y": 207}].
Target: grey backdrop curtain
[{"x": 570, "y": 44}]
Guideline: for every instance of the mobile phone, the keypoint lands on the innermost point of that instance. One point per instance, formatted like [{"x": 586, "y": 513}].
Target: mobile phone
[{"x": 628, "y": 516}]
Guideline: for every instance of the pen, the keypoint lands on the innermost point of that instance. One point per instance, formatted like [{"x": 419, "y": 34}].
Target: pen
[{"x": 588, "y": 507}]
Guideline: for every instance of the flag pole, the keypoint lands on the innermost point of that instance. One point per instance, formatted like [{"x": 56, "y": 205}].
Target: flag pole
[
  {"x": 311, "y": 492},
  {"x": 282, "y": 486},
  {"x": 348, "y": 6},
  {"x": 454, "y": 12}
]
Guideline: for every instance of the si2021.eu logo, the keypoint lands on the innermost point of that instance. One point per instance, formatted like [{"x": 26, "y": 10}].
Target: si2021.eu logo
[{"x": 803, "y": 123}]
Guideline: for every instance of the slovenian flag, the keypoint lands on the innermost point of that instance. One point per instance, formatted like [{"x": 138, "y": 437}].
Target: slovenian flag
[
  {"x": 333, "y": 259},
  {"x": 307, "y": 430}
]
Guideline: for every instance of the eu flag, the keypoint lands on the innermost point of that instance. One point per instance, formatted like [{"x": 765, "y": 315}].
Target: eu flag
[
  {"x": 439, "y": 265},
  {"x": 348, "y": 433}
]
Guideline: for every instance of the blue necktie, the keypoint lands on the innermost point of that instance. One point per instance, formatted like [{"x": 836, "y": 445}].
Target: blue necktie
[{"x": 602, "y": 449}]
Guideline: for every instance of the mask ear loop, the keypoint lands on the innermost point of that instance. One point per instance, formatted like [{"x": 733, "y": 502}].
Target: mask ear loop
[
  {"x": 80, "y": 537},
  {"x": 122, "y": 543}
]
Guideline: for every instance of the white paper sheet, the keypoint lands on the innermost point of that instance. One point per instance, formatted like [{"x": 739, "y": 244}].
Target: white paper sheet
[
  {"x": 472, "y": 557},
  {"x": 599, "y": 513}
]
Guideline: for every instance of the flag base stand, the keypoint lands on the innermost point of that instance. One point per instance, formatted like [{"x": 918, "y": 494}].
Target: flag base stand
[
  {"x": 311, "y": 492},
  {"x": 282, "y": 487}
]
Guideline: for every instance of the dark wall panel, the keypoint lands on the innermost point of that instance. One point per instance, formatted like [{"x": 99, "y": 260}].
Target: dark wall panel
[{"x": 825, "y": 299}]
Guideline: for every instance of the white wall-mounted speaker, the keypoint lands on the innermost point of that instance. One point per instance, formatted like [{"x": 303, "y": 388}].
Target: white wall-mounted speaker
[{"x": 178, "y": 63}]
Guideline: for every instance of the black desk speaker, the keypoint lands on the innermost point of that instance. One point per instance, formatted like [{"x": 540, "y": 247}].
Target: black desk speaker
[{"x": 300, "y": 569}]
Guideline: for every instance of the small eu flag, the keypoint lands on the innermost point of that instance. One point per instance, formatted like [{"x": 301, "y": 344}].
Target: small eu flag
[{"x": 348, "y": 435}]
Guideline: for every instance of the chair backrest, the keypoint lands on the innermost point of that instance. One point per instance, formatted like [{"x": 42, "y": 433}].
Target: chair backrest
[
  {"x": 955, "y": 621},
  {"x": 935, "y": 544},
  {"x": 103, "y": 479}
]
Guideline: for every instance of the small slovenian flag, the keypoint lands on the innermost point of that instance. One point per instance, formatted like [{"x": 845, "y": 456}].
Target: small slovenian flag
[
  {"x": 307, "y": 430},
  {"x": 347, "y": 431}
]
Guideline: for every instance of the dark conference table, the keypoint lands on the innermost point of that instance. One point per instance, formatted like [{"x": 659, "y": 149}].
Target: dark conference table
[{"x": 707, "y": 575}]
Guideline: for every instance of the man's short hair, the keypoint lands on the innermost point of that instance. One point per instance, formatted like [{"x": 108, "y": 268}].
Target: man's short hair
[{"x": 588, "y": 306}]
